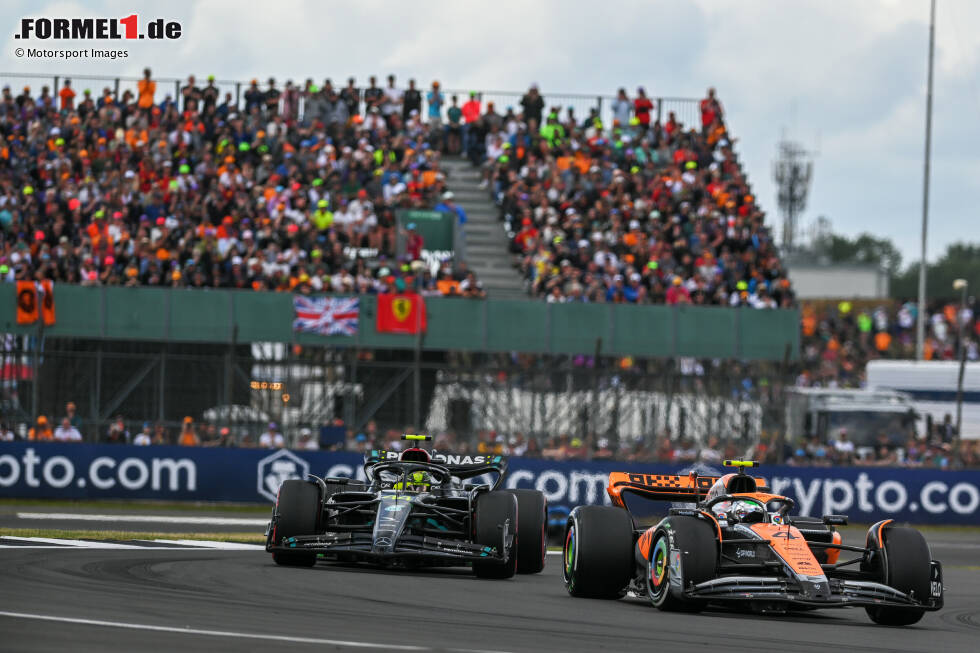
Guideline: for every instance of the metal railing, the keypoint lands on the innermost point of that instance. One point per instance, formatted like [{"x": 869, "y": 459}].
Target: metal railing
[{"x": 686, "y": 109}]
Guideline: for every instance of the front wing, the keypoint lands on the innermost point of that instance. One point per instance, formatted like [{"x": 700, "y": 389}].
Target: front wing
[
  {"x": 841, "y": 593},
  {"x": 415, "y": 549}
]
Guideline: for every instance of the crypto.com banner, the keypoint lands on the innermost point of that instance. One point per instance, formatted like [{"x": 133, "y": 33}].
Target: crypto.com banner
[{"x": 866, "y": 494}]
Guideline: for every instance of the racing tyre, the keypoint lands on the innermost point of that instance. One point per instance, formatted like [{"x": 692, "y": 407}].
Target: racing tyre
[
  {"x": 698, "y": 546},
  {"x": 532, "y": 525},
  {"x": 298, "y": 507},
  {"x": 598, "y": 553},
  {"x": 907, "y": 569},
  {"x": 494, "y": 521}
]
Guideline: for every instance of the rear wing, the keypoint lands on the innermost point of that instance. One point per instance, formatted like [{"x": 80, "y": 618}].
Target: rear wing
[
  {"x": 688, "y": 488},
  {"x": 459, "y": 465}
]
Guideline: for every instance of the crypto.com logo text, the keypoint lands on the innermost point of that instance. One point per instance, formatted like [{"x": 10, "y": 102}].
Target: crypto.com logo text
[{"x": 98, "y": 28}]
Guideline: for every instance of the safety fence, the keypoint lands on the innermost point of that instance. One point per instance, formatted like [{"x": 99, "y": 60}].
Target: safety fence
[
  {"x": 40, "y": 470},
  {"x": 625, "y": 400}
]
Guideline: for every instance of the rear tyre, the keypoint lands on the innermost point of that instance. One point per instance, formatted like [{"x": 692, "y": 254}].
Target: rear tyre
[
  {"x": 598, "y": 553},
  {"x": 532, "y": 524},
  {"x": 494, "y": 522},
  {"x": 298, "y": 507},
  {"x": 696, "y": 541},
  {"x": 908, "y": 569}
]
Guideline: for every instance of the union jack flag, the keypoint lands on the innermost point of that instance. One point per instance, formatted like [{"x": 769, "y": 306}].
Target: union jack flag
[{"x": 327, "y": 316}]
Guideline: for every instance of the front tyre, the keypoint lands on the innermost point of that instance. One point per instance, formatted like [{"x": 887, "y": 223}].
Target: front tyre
[
  {"x": 692, "y": 560},
  {"x": 598, "y": 553},
  {"x": 494, "y": 523},
  {"x": 298, "y": 509},
  {"x": 908, "y": 569}
]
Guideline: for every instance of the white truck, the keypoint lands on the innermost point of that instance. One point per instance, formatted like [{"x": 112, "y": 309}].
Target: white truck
[
  {"x": 932, "y": 386},
  {"x": 865, "y": 414}
]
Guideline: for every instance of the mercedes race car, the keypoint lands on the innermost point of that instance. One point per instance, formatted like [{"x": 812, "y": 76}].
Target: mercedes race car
[
  {"x": 415, "y": 509},
  {"x": 738, "y": 544}
]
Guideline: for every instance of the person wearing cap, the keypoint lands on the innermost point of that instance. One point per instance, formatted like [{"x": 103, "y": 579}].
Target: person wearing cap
[
  {"x": 145, "y": 437},
  {"x": 271, "y": 438},
  {"x": 188, "y": 436},
  {"x": 434, "y": 100},
  {"x": 414, "y": 242},
  {"x": 41, "y": 431},
  {"x": 306, "y": 440},
  {"x": 449, "y": 205}
]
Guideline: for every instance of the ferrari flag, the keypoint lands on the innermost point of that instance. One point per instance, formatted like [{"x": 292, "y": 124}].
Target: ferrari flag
[
  {"x": 328, "y": 316},
  {"x": 401, "y": 313}
]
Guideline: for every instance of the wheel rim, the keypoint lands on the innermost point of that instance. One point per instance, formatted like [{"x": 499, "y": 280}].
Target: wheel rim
[
  {"x": 569, "y": 553},
  {"x": 658, "y": 567}
]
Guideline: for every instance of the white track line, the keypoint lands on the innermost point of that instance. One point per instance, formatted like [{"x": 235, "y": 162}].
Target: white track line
[
  {"x": 208, "y": 544},
  {"x": 225, "y": 633},
  {"x": 146, "y": 519},
  {"x": 554, "y": 553},
  {"x": 78, "y": 544}
]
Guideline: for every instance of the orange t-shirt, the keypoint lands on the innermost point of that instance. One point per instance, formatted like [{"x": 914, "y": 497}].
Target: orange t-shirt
[
  {"x": 882, "y": 341},
  {"x": 147, "y": 89},
  {"x": 188, "y": 439}
]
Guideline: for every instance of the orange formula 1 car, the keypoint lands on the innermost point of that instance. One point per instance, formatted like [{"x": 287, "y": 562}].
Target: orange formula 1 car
[{"x": 738, "y": 543}]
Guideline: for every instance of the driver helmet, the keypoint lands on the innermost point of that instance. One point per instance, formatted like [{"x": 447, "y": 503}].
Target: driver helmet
[
  {"x": 746, "y": 511},
  {"x": 417, "y": 481},
  {"x": 415, "y": 455}
]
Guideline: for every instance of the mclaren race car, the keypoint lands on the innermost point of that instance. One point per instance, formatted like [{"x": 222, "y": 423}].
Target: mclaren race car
[
  {"x": 738, "y": 544},
  {"x": 415, "y": 509}
]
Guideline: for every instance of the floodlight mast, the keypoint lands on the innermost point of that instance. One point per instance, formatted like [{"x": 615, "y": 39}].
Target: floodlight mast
[{"x": 920, "y": 324}]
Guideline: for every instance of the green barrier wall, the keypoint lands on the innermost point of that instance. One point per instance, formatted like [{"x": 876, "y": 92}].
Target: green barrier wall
[{"x": 224, "y": 316}]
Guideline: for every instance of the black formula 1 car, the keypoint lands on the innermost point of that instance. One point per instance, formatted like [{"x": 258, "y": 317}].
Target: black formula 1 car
[
  {"x": 738, "y": 544},
  {"x": 415, "y": 509}
]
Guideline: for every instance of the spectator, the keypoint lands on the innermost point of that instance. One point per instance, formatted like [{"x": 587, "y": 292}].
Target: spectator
[
  {"x": 160, "y": 435},
  {"x": 454, "y": 128},
  {"x": 66, "y": 432},
  {"x": 411, "y": 101},
  {"x": 147, "y": 89},
  {"x": 710, "y": 454},
  {"x": 67, "y": 96},
  {"x": 272, "y": 438},
  {"x": 392, "y": 103},
  {"x": 414, "y": 242},
  {"x": 621, "y": 109},
  {"x": 117, "y": 433},
  {"x": 41, "y": 431},
  {"x": 306, "y": 440},
  {"x": 145, "y": 437},
  {"x": 188, "y": 437},
  {"x": 71, "y": 414},
  {"x": 533, "y": 105},
  {"x": 844, "y": 448},
  {"x": 642, "y": 108},
  {"x": 6, "y": 434}
]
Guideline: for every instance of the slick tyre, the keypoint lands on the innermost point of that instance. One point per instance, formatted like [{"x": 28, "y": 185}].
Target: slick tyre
[
  {"x": 532, "y": 527},
  {"x": 597, "y": 557},
  {"x": 907, "y": 568},
  {"x": 494, "y": 523},
  {"x": 298, "y": 507},
  {"x": 697, "y": 544}
]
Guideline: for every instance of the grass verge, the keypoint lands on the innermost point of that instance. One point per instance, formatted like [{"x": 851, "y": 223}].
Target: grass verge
[{"x": 249, "y": 538}]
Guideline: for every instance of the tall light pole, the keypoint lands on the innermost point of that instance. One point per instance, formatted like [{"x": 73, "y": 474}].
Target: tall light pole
[
  {"x": 961, "y": 285},
  {"x": 920, "y": 323}
]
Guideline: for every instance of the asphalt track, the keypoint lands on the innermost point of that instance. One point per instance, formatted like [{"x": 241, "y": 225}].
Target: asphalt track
[{"x": 198, "y": 600}]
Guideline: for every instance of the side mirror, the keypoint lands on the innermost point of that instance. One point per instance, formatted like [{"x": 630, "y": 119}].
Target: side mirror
[{"x": 835, "y": 520}]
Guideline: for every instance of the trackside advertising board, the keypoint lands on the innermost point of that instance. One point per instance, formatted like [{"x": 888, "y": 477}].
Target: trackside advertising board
[{"x": 867, "y": 494}]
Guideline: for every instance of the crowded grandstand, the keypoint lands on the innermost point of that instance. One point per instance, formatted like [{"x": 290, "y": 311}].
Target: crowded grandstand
[{"x": 296, "y": 188}]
